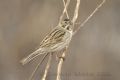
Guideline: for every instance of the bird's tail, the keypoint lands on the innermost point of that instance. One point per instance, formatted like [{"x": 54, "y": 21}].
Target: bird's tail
[{"x": 32, "y": 56}]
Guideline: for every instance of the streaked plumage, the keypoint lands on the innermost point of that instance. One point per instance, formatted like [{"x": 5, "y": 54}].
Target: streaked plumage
[{"x": 58, "y": 39}]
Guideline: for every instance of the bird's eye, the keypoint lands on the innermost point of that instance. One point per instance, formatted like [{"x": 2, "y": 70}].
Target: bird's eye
[
  {"x": 63, "y": 26},
  {"x": 66, "y": 22},
  {"x": 68, "y": 28}
]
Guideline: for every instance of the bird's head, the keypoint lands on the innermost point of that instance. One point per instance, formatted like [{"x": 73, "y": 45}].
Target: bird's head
[{"x": 66, "y": 24}]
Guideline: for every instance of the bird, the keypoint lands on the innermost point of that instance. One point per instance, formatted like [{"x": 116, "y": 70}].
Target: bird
[{"x": 56, "y": 40}]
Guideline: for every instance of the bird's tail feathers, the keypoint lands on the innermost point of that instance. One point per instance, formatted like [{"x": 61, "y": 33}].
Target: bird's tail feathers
[{"x": 32, "y": 56}]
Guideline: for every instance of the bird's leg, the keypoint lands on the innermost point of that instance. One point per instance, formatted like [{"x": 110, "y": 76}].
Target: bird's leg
[
  {"x": 59, "y": 56},
  {"x": 56, "y": 56}
]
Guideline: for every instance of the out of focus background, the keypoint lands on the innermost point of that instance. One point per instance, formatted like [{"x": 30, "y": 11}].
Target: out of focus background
[{"x": 94, "y": 53}]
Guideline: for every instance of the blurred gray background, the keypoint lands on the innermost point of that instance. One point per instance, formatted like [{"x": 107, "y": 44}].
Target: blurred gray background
[{"x": 94, "y": 53}]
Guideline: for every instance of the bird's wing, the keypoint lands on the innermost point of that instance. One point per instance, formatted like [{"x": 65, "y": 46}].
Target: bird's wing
[{"x": 55, "y": 37}]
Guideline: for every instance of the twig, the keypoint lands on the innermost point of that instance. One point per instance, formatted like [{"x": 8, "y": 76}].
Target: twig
[
  {"x": 65, "y": 9},
  {"x": 47, "y": 67},
  {"x": 76, "y": 12},
  {"x": 89, "y": 17},
  {"x": 38, "y": 66},
  {"x": 60, "y": 65}
]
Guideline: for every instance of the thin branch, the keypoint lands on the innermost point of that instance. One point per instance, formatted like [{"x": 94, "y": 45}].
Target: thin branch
[
  {"x": 47, "y": 67},
  {"x": 33, "y": 73},
  {"x": 89, "y": 17},
  {"x": 60, "y": 65},
  {"x": 65, "y": 9},
  {"x": 76, "y": 12}
]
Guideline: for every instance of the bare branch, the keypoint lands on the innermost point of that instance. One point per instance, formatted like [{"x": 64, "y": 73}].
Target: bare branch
[
  {"x": 47, "y": 67},
  {"x": 76, "y": 12},
  {"x": 60, "y": 65},
  {"x": 89, "y": 17},
  {"x": 65, "y": 9}
]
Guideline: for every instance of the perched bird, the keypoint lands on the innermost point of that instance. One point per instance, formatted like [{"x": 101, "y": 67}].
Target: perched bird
[{"x": 57, "y": 40}]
